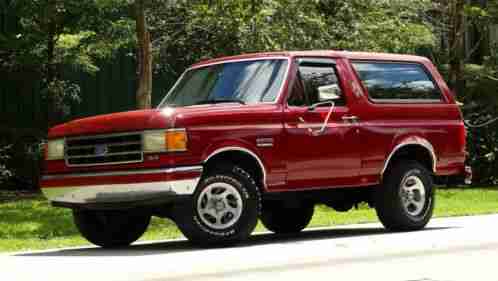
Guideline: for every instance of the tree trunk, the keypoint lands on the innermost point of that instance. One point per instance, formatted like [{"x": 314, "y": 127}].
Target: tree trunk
[
  {"x": 456, "y": 45},
  {"x": 53, "y": 110},
  {"x": 144, "y": 57}
]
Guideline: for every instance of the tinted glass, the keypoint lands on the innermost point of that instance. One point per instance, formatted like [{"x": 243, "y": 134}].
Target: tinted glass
[
  {"x": 297, "y": 97},
  {"x": 247, "y": 82},
  {"x": 397, "y": 81},
  {"x": 310, "y": 78}
]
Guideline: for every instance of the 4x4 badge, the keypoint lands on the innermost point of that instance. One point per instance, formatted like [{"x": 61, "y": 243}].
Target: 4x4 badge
[{"x": 264, "y": 142}]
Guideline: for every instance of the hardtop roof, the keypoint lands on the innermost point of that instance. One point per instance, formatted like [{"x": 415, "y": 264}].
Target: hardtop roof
[{"x": 319, "y": 53}]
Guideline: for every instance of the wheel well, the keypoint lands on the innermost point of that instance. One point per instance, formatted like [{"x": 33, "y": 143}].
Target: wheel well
[
  {"x": 412, "y": 152},
  {"x": 242, "y": 159}
]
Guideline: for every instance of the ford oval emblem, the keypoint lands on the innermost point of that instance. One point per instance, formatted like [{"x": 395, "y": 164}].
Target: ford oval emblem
[{"x": 101, "y": 149}]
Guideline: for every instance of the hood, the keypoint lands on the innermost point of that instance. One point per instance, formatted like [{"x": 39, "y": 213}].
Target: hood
[
  {"x": 113, "y": 123},
  {"x": 180, "y": 117}
]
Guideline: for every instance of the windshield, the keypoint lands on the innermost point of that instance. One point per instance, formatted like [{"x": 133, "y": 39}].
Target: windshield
[{"x": 245, "y": 82}]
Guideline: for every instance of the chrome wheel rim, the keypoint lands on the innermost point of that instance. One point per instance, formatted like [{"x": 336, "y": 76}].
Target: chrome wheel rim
[
  {"x": 413, "y": 195},
  {"x": 219, "y": 205}
]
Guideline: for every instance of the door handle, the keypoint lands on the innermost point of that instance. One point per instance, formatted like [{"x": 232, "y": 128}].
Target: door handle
[{"x": 351, "y": 119}]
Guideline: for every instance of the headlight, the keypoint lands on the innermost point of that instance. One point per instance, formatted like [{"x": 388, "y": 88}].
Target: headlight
[
  {"x": 55, "y": 149},
  {"x": 165, "y": 140}
]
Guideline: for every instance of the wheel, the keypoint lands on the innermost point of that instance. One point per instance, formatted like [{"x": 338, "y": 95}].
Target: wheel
[
  {"x": 223, "y": 210},
  {"x": 406, "y": 200},
  {"x": 110, "y": 229},
  {"x": 278, "y": 218}
]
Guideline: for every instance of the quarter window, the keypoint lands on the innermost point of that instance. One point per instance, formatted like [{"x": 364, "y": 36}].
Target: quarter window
[{"x": 397, "y": 82}]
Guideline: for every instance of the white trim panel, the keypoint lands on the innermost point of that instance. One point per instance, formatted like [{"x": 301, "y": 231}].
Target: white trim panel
[
  {"x": 119, "y": 193},
  {"x": 186, "y": 169}
]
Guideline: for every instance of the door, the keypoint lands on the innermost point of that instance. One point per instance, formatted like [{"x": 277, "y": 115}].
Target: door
[{"x": 319, "y": 158}]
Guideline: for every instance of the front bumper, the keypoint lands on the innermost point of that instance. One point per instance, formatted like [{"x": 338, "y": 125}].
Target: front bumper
[{"x": 136, "y": 187}]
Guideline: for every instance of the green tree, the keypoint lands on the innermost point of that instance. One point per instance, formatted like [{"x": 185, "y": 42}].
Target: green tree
[
  {"x": 183, "y": 32},
  {"x": 51, "y": 35},
  {"x": 395, "y": 26}
]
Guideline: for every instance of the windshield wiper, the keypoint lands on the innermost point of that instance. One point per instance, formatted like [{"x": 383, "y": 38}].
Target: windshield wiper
[{"x": 220, "y": 101}]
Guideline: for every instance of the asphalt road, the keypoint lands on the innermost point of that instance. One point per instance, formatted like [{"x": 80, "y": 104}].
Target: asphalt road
[{"x": 451, "y": 249}]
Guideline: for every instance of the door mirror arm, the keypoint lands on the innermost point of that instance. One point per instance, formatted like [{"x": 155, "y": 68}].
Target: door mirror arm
[
  {"x": 327, "y": 118},
  {"x": 315, "y": 105}
]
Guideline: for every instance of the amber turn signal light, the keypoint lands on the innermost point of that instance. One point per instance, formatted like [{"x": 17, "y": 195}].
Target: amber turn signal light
[
  {"x": 165, "y": 140},
  {"x": 176, "y": 140}
]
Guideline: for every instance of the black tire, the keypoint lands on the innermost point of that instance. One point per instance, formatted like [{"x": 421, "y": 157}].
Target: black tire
[
  {"x": 111, "y": 229},
  {"x": 396, "y": 208},
  {"x": 238, "y": 190},
  {"x": 280, "y": 219}
]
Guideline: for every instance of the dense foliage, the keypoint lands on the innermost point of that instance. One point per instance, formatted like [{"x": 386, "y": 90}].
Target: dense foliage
[
  {"x": 477, "y": 89},
  {"x": 50, "y": 35},
  {"x": 481, "y": 110},
  {"x": 191, "y": 30}
]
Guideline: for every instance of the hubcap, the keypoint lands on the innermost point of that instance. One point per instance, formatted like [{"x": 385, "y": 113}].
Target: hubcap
[
  {"x": 219, "y": 205},
  {"x": 412, "y": 195}
]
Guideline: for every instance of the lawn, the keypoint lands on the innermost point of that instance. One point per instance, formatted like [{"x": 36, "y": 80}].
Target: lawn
[{"x": 31, "y": 223}]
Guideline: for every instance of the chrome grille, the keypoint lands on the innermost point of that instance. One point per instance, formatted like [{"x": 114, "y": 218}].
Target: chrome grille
[{"x": 104, "y": 149}]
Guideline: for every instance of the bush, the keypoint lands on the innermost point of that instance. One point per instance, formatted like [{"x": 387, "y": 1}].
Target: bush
[
  {"x": 26, "y": 159},
  {"x": 21, "y": 156},
  {"x": 5, "y": 173}
]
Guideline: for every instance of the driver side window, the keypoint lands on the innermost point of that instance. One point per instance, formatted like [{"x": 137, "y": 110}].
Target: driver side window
[{"x": 310, "y": 77}]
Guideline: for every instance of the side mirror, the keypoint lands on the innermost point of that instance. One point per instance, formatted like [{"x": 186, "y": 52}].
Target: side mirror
[{"x": 329, "y": 93}]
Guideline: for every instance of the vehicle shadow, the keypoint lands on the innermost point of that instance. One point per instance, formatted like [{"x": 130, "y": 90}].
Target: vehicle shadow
[{"x": 178, "y": 246}]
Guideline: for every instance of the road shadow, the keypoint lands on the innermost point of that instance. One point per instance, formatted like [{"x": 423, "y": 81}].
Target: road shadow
[{"x": 178, "y": 246}]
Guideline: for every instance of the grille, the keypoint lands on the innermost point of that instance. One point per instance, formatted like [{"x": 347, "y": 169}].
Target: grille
[{"x": 104, "y": 150}]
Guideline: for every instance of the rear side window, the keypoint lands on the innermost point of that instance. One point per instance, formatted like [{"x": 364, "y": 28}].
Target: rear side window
[{"x": 397, "y": 82}]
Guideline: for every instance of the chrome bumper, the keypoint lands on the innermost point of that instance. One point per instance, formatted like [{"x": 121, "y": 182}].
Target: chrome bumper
[{"x": 120, "y": 186}]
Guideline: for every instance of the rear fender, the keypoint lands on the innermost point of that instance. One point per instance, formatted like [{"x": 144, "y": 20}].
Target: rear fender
[{"x": 412, "y": 140}]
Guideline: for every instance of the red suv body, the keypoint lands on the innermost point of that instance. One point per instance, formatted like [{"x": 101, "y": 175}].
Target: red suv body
[{"x": 264, "y": 135}]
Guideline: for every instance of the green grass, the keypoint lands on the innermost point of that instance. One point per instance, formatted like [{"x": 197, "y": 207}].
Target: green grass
[{"x": 31, "y": 223}]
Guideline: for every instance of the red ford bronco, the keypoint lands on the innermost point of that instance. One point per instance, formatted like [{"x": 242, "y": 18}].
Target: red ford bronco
[{"x": 264, "y": 136}]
